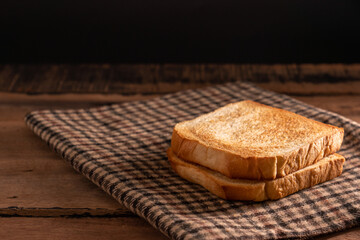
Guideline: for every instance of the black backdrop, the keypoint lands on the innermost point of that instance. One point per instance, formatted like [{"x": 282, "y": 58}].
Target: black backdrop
[{"x": 147, "y": 31}]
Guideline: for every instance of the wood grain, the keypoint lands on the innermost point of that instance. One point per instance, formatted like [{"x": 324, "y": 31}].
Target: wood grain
[
  {"x": 39, "y": 178},
  {"x": 352, "y": 234},
  {"x": 347, "y": 106},
  {"x": 311, "y": 88},
  {"x": 77, "y": 228},
  {"x": 34, "y": 177},
  {"x": 165, "y": 78}
]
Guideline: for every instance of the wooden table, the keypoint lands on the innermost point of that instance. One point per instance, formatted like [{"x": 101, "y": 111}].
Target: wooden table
[{"x": 42, "y": 197}]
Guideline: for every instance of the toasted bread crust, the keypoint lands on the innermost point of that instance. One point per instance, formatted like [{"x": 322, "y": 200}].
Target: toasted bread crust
[
  {"x": 229, "y": 164},
  {"x": 255, "y": 165},
  {"x": 257, "y": 190}
]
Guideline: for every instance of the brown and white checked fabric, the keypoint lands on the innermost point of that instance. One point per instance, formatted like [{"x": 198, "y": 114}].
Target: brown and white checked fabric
[{"x": 121, "y": 148}]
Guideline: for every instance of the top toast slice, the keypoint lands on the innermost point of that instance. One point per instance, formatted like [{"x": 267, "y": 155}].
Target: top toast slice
[{"x": 254, "y": 141}]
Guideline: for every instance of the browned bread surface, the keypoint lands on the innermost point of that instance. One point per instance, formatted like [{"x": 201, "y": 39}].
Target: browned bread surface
[
  {"x": 258, "y": 190},
  {"x": 254, "y": 141}
]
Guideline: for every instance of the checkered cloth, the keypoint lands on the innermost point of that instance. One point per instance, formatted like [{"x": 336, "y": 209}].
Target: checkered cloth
[{"x": 121, "y": 148}]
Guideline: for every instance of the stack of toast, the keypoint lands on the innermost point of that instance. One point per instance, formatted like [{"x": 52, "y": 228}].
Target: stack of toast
[{"x": 250, "y": 151}]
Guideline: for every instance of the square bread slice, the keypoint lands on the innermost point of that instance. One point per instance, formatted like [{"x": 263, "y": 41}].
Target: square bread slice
[
  {"x": 254, "y": 141},
  {"x": 258, "y": 190}
]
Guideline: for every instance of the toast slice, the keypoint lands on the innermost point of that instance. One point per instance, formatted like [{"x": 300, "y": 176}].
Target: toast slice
[
  {"x": 258, "y": 190},
  {"x": 254, "y": 141}
]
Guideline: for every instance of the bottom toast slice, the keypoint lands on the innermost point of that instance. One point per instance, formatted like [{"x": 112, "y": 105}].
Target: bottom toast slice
[{"x": 257, "y": 190}]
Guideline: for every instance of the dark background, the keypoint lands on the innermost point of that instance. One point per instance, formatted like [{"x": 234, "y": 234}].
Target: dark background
[{"x": 155, "y": 31}]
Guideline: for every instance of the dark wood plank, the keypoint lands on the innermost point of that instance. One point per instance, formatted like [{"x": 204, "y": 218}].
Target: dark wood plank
[
  {"x": 348, "y": 106},
  {"x": 102, "y": 228},
  {"x": 165, "y": 78},
  {"x": 35, "y": 180},
  {"x": 77, "y": 228},
  {"x": 351, "y": 234},
  {"x": 313, "y": 88}
]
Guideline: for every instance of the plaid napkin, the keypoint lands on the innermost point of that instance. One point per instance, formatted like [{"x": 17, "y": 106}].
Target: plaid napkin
[{"x": 121, "y": 148}]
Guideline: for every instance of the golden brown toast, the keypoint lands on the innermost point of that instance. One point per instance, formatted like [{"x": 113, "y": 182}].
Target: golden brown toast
[
  {"x": 258, "y": 190},
  {"x": 250, "y": 140}
]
